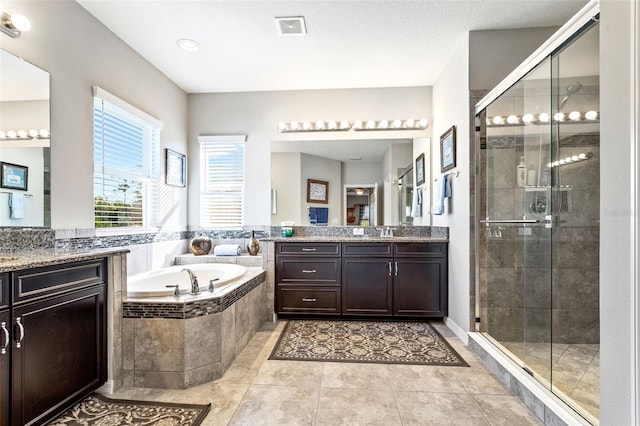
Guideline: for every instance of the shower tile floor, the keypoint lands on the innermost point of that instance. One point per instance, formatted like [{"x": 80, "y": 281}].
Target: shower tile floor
[
  {"x": 575, "y": 369},
  {"x": 259, "y": 391}
]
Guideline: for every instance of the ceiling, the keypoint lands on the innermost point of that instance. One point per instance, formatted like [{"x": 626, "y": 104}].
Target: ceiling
[{"x": 350, "y": 43}]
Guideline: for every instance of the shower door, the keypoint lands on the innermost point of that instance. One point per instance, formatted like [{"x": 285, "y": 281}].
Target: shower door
[{"x": 538, "y": 210}]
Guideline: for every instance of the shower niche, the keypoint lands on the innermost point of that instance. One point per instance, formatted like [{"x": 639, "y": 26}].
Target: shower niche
[{"x": 537, "y": 148}]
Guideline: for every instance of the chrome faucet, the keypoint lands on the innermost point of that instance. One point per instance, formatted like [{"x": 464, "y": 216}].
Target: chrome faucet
[{"x": 195, "y": 288}]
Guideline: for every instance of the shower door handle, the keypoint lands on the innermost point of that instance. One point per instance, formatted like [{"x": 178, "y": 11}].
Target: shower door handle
[{"x": 512, "y": 221}]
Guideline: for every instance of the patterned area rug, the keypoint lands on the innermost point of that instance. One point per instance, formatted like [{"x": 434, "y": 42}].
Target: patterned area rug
[
  {"x": 387, "y": 342},
  {"x": 100, "y": 410}
]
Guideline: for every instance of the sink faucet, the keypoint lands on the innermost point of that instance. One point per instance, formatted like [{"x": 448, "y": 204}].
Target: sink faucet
[{"x": 195, "y": 288}]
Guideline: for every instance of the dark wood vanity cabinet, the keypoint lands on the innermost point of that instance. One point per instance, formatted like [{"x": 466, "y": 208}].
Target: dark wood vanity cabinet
[
  {"x": 367, "y": 279},
  {"x": 308, "y": 278},
  {"x": 57, "y": 347},
  {"x": 382, "y": 279},
  {"x": 5, "y": 348}
]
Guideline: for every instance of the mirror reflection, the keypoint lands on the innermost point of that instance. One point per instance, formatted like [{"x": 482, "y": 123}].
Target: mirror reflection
[
  {"x": 24, "y": 144},
  {"x": 361, "y": 175}
]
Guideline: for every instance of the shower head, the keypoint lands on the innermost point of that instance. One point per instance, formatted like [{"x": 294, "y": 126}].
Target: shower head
[{"x": 572, "y": 89}]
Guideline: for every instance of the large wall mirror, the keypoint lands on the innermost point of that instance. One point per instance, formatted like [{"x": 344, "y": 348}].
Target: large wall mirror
[
  {"x": 360, "y": 174},
  {"x": 25, "y": 199}
]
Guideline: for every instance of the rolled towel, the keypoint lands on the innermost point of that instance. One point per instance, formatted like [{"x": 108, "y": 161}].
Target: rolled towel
[{"x": 227, "y": 250}]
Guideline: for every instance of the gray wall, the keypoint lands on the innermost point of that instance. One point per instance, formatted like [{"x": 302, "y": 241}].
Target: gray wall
[{"x": 79, "y": 52}]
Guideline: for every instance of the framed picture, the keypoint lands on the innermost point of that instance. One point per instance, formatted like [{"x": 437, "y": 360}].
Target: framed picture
[
  {"x": 420, "y": 170},
  {"x": 448, "y": 150},
  {"x": 14, "y": 176},
  {"x": 317, "y": 191},
  {"x": 176, "y": 168}
]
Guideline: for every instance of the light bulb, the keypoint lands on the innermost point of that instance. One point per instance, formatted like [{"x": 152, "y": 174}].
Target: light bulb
[
  {"x": 344, "y": 124},
  {"x": 282, "y": 126},
  {"x": 319, "y": 125},
  {"x": 20, "y": 22},
  {"x": 383, "y": 124},
  {"x": 527, "y": 118},
  {"x": 550, "y": 165},
  {"x": 33, "y": 133},
  {"x": 423, "y": 123},
  {"x": 512, "y": 119},
  {"x": 11, "y": 134},
  {"x": 574, "y": 115},
  {"x": 44, "y": 133},
  {"x": 544, "y": 117},
  {"x": 306, "y": 125},
  {"x": 561, "y": 161},
  {"x": 357, "y": 124},
  {"x": 591, "y": 115},
  {"x": 22, "y": 133},
  {"x": 497, "y": 120},
  {"x": 567, "y": 160},
  {"x": 371, "y": 124},
  {"x": 559, "y": 116},
  {"x": 333, "y": 125},
  {"x": 294, "y": 125},
  {"x": 410, "y": 122},
  {"x": 2, "y": 134},
  {"x": 582, "y": 156}
]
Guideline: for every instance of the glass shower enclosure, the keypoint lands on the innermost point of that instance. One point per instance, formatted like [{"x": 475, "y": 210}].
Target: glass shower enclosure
[{"x": 538, "y": 220}]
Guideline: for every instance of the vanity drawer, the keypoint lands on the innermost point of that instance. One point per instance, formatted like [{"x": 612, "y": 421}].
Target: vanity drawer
[
  {"x": 325, "y": 271},
  {"x": 310, "y": 300},
  {"x": 49, "y": 280},
  {"x": 308, "y": 249},
  {"x": 367, "y": 249},
  {"x": 420, "y": 249}
]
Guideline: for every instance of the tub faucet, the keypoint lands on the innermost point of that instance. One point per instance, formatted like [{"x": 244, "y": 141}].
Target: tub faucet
[{"x": 195, "y": 288}]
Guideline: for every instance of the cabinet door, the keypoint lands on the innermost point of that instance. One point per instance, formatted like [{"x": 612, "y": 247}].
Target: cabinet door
[
  {"x": 5, "y": 350},
  {"x": 366, "y": 286},
  {"x": 420, "y": 287},
  {"x": 58, "y": 353}
]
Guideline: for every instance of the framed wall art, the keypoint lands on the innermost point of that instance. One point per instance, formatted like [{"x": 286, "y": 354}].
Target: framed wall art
[
  {"x": 14, "y": 176},
  {"x": 176, "y": 168},
  {"x": 317, "y": 191},
  {"x": 420, "y": 170},
  {"x": 448, "y": 150}
]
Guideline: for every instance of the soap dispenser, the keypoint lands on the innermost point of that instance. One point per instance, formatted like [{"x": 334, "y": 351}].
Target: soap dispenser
[{"x": 521, "y": 173}]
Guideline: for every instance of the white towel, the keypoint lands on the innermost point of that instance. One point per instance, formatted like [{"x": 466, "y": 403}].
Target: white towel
[
  {"x": 227, "y": 250},
  {"x": 16, "y": 205},
  {"x": 416, "y": 210}
]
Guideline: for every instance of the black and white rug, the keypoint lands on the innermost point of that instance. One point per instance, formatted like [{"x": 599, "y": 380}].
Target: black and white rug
[
  {"x": 388, "y": 342},
  {"x": 100, "y": 410}
]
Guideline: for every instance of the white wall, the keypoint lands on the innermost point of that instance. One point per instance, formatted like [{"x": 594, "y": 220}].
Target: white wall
[
  {"x": 451, "y": 108},
  {"x": 619, "y": 288},
  {"x": 257, "y": 114},
  {"x": 361, "y": 173},
  {"x": 423, "y": 146},
  {"x": 79, "y": 52},
  {"x": 398, "y": 156}
]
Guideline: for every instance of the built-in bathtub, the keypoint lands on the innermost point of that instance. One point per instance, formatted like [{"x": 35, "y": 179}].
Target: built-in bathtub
[{"x": 184, "y": 341}]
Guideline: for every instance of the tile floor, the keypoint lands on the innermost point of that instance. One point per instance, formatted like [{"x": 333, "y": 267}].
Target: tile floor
[
  {"x": 574, "y": 370},
  {"x": 258, "y": 391}
]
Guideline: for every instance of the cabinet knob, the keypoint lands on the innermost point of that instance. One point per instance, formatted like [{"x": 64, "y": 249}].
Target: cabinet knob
[
  {"x": 5, "y": 333},
  {"x": 20, "y": 333}
]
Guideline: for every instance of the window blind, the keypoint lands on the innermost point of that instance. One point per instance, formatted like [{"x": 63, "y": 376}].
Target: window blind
[
  {"x": 126, "y": 166},
  {"x": 221, "y": 181}
]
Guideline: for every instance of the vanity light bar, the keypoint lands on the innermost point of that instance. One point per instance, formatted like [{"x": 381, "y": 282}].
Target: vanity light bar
[
  {"x": 542, "y": 118},
  {"x": 358, "y": 125},
  {"x": 24, "y": 135},
  {"x": 572, "y": 159}
]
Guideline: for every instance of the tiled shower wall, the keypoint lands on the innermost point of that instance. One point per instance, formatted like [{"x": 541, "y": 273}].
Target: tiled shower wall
[{"x": 555, "y": 293}]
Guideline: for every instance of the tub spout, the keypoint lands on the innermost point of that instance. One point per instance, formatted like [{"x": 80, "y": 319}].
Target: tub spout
[{"x": 195, "y": 288}]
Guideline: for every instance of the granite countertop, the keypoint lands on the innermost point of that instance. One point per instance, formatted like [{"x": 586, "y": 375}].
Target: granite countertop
[
  {"x": 357, "y": 239},
  {"x": 17, "y": 260}
]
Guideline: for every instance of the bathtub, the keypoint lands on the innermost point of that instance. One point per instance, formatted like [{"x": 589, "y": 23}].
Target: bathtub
[{"x": 153, "y": 283}]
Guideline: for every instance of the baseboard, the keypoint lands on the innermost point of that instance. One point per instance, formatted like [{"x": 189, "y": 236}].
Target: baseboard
[
  {"x": 457, "y": 330},
  {"x": 107, "y": 388}
]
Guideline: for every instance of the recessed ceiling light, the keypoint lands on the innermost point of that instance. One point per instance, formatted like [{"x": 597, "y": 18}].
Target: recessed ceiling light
[
  {"x": 188, "y": 45},
  {"x": 291, "y": 25}
]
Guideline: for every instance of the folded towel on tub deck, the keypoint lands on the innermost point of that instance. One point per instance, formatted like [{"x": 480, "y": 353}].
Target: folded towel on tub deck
[{"x": 227, "y": 250}]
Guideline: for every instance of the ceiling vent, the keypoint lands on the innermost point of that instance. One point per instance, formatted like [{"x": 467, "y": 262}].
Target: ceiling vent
[{"x": 291, "y": 25}]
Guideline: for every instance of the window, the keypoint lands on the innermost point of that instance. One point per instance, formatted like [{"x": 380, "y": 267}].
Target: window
[
  {"x": 126, "y": 146},
  {"x": 221, "y": 181}
]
